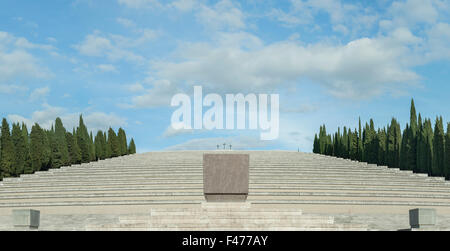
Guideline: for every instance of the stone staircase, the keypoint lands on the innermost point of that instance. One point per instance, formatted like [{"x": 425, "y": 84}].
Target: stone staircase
[
  {"x": 226, "y": 217},
  {"x": 139, "y": 185}
]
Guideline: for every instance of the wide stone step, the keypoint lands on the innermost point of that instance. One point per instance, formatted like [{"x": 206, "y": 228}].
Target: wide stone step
[
  {"x": 299, "y": 180},
  {"x": 145, "y": 227},
  {"x": 197, "y": 188},
  {"x": 200, "y": 172},
  {"x": 253, "y": 177}
]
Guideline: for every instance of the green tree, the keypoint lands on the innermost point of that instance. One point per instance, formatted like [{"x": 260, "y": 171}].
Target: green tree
[
  {"x": 132, "y": 147},
  {"x": 412, "y": 139},
  {"x": 106, "y": 147},
  {"x": 99, "y": 145},
  {"x": 447, "y": 152},
  {"x": 360, "y": 143},
  {"x": 26, "y": 139},
  {"x": 438, "y": 148},
  {"x": 83, "y": 141},
  {"x": 381, "y": 140},
  {"x": 405, "y": 149},
  {"x": 7, "y": 151},
  {"x": 20, "y": 149},
  {"x": 113, "y": 143},
  {"x": 393, "y": 144},
  {"x": 39, "y": 149},
  {"x": 344, "y": 149},
  {"x": 73, "y": 149},
  {"x": 353, "y": 144},
  {"x": 60, "y": 152},
  {"x": 316, "y": 145},
  {"x": 92, "y": 155},
  {"x": 122, "y": 137}
]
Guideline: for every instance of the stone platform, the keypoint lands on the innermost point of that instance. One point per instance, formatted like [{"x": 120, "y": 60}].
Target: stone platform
[{"x": 103, "y": 192}]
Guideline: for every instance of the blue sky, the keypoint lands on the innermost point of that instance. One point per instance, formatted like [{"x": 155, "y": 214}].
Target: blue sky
[{"x": 119, "y": 62}]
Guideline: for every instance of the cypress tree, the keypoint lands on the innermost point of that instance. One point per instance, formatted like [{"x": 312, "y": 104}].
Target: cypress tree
[
  {"x": 447, "y": 152},
  {"x": 73, "y": 149},
  {"x": 360, "y": 143},
  {"x": 58, "y": 142},
  {"x": 106, "y": 147},
  {"x": 353, "y": 144},
  {"x": 99, "y": 147},
  {"x": 429, "y": 146},
  {"x": 393, "y": 144},
  {"x": 316, "y": 145},
  {"x": 323, "y": 139},
  {"x": 412, "y": 139},
  {"x": 329, "y": 146},
  {"x": 132, "y": 147},
  {"x": 26, "y": 139},
  {"x": 405, "y": 149},
  {"x": 113, "y": 143},
  {"x": 381, "y": 140},
  {"x": 83, "y": 141},
  {"x": 335, "y": 145},
  {"x": 60, "y": 138},
  {"x": 20, "y": 149},
  {"x": 7, "y": 151},
  {"x": 92, "y": 155},
  {"x": 438, "y": 149},
  {"x": 345, "y": 143},
  {"x": 122, "y": 137},
  {"x": 39, "y": 149},
  {"x": 421, "y": 162},
  {"x": 370, "y": 144}
]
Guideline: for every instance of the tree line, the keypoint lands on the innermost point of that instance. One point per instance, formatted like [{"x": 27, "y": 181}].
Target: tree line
[
  {"x": 419, "y": 147},
  {"x": 25, "y": 153}
]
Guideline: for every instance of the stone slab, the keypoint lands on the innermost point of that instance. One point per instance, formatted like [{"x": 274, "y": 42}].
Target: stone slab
[
  {"x": 26, "y": 218},
  {"x": 422, "y": 217},
  {"x": 225, "y": 177}
]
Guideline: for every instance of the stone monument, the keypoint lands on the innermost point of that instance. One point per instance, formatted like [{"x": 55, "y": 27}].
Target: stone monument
[{"x": 225, "y": 177}]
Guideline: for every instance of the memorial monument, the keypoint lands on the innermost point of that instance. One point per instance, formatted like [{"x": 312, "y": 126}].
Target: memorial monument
[{"x": 225, "y": 177}]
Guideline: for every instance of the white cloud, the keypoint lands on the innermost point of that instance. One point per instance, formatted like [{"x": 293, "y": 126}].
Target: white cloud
[
  {"x": 107, "y": 68},
  {"x": 159, "y": 95},
  {"x": 16, "y": 62},
  {"x": 137, "y": 87},
  {"x": 223, "y": 15},
  {"x": 411, "y": 12},
  {"x": 20, "y": 64},
  {"x": 11, "y": 89},
  {"x": 439, "y": 42},
  {"x": 362, "y": 68},
  {"x": 137, "y": 4},
  {"x": 46, "y": 118},
  {"x": 39, "y": 93},
  {"x": 126, "y": 22},
  {"x": 115, "y": 47},
  {"x": 170, "y": 132},
  {"x": 184, "y": 5},
  {"x": 289, "y": 19},
  {"x": 345, "y": 18}
]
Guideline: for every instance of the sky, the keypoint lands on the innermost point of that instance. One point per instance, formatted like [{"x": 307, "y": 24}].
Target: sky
[{"x": 120, "y": 62}]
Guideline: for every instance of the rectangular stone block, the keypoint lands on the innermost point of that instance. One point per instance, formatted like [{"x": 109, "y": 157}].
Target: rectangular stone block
[
  {"x": 225, "y": 177},
  {"x": 422, "y": 217},
  {"x": 26, "y": 218}
]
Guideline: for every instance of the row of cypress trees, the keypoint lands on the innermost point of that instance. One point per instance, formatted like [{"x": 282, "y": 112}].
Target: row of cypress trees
[
  {"x": 25, "y": 153},
  {"x": 419, "y": 147}
]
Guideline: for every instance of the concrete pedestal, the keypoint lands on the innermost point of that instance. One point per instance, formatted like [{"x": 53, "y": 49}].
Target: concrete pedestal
[
  {"x": 225, "y": 177},
  {"x": 26, "y": 218}
]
